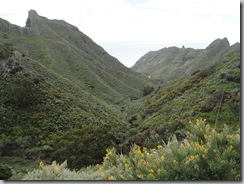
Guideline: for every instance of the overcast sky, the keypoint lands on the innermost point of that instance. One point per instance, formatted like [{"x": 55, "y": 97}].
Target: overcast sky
[{"x": 128, "y": 29}]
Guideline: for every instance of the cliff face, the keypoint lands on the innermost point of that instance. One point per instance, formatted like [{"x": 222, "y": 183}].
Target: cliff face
[{"x": 173, "y": 63}]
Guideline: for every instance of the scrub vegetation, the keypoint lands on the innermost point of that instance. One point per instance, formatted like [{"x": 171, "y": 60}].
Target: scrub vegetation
[{"x": 70, "y": 111}]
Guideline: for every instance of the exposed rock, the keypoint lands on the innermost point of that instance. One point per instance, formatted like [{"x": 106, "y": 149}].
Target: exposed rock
[{"x": 218, "y": 43}]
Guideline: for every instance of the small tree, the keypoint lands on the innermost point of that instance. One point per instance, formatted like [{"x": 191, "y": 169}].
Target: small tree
[
  {"x": 5, "y": 172},
  {"x": 147, "y": 90},
  {"x": 21, "y": 92},
  {"x": 83, "y": 147}
]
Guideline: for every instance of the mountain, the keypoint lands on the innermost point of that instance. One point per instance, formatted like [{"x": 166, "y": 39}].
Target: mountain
[
  {"x": 211, "y": 93},
  {"x": 71, "y": 54},
  {"x": 173, "y": 63},
  {"x": 62, "y": 95}
]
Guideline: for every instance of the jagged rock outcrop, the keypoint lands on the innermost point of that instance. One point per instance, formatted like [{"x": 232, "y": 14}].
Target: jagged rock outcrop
[
  {"x": 32, "y": 14},
  {"x": 218, "y": 43}
]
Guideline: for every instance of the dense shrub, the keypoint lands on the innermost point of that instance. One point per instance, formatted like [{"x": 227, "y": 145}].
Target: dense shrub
[
  {"x": 5, "y": 172},
  {"x": 6, "y": 50},
  {"x": 20, "y": 92},
  {"x": 147, "y": 90},
  {"x": 57, "y": 171},
  {"x": 204, "y": 155},
  {"x": 83, "y": 147}
]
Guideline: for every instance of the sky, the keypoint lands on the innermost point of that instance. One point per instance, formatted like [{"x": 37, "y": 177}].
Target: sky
[{"x": 128, "y": 29}]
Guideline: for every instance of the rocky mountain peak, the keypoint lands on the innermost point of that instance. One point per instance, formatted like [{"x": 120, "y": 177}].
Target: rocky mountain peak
[
  {"x": 222, "y": 43},
  {"x": 42, "y": 24},
  {"x": 32, "y": 14}
]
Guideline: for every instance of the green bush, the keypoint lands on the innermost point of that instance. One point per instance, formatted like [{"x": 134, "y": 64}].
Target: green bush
[
  {"x": 60, "y": 172},
  {"x": 147, "y": 90},
  {"x": 83, "y": 147},
  {"x": 5, "y": 172},
  {"x": 6, "y": 50},
  {"x": 204, "y": 155},
  {"x": 50, "y": 172},
  {"x": 21, "y": 92}
]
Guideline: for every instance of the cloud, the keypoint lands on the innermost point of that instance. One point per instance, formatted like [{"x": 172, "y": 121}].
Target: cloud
[{"x": 167, "y": 21}]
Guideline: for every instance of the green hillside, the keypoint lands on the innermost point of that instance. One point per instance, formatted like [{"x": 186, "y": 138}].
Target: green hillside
[
  {"x": 38, "y": 108},
  {"x": 66, "y": 104},
  {"x": 69, "y": 53},
  {"x": 61, "y": 95},
  {"x": 172, "y": 63},
  {"x": 212, "y": 93}
]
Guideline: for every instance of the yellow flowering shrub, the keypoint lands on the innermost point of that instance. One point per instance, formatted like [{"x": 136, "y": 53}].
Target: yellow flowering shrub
[
  {"x": 205, "y": 154},
  {"x": 60, "y": 172}
]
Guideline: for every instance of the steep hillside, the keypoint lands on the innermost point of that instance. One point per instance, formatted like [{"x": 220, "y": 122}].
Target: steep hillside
[
  {"x": 63, "y": 97},
  {"x": 65, "y": 50},
  {"x": 61, "y": 94},
  {"x": 40, "y": 112},
  {"x": 212, "y": 93},
  {"x": 174, "y": 63}
]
